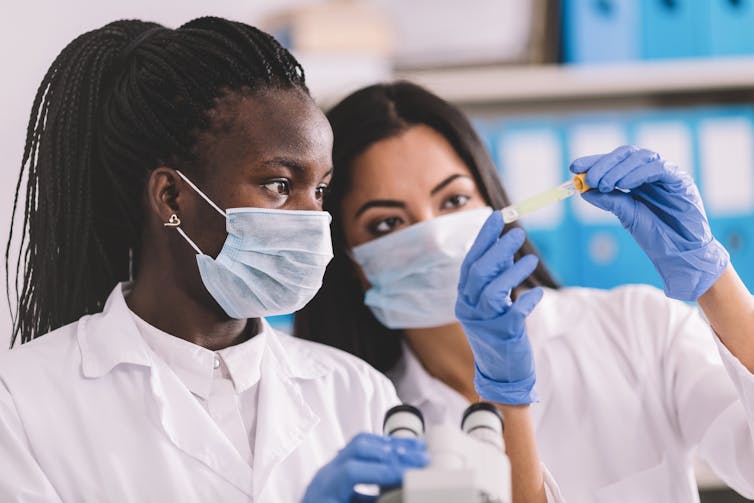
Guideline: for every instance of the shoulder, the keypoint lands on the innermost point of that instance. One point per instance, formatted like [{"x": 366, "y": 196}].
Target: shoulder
[
  {"x": 50, "y": 354},
  {"x": 627, "y": 302},
  {"x": 636, "y": 318},
  {"x": 623, "y": 293}
]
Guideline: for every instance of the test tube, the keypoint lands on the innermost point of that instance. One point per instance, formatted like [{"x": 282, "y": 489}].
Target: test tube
[{"x": 563, "y": 191}]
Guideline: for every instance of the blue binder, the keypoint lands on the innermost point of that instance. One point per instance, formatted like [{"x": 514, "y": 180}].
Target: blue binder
[
  {"x": 731, "y": 30},
  {"x": 530, "y": 157},
  {"x": 597, "y": 31},
  {"x": 607, "y": 254},
  {"x": 727, "y": 185},
  {"x": 672, "y": 28}
]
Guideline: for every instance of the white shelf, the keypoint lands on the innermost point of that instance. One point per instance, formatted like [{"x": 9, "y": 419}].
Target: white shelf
[{"x": 501, "y": 84}]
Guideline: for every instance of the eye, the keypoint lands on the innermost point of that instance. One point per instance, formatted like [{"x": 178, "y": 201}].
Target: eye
[
  {"x": 456, "y": 201},
  {"x": 280, "y": 187},
  {"x": 385, "y": 226},
  {"x": 322, "y": 190}
]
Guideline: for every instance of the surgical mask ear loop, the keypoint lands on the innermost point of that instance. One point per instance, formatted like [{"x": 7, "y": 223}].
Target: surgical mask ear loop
[
  {"x": 198, "y": 191},
  {"x": 175, "y": 222}
]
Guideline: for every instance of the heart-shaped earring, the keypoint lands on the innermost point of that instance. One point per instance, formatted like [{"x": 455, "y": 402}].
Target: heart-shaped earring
[{"x": 173, "y": 221}]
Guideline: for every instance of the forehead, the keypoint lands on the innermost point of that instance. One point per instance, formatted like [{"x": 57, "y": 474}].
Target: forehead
[
  {"x": 416, "y": 160},
  {"x": 266, "y": 124}
]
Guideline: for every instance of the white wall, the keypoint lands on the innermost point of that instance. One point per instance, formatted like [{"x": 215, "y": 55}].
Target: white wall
[{"x": 32, "y": 34}]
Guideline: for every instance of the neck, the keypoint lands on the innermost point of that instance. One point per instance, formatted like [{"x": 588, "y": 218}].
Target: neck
[
  {"x": 445, "y": 353},
  {"x": 157, "y": 299}
]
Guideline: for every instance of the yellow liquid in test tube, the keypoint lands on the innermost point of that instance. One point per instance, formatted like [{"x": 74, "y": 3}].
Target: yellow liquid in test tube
[{"x": 563, "y": 191}]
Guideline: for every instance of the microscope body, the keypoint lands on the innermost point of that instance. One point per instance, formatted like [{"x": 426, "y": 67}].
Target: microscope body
[{"x": 465, "y": 466}]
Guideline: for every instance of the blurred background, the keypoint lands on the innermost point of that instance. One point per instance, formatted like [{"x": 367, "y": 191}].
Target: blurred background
[{"x": 545, "y": 81}]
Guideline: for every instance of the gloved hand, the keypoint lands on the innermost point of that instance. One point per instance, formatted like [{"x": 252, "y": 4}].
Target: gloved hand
[
  {"x": 494, "y": 325},
  {"x": 367, "y": 459},
  {"x": 663, "y": 212}
]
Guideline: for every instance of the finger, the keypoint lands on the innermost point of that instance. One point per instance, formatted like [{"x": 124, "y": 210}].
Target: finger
[
  {"x": 495, "y": 298},
  {"x": 411, "y": 454},
  {"x": 354, "y": 471},
  {"x": 582, "y": 164},
  {"x": 526, "y": 303},
  {"x": 635, "y": 162},
  {"x": 495, "y": 260},
  {"x": 659, "y": 171},
  {"x": 487, "y": 236},
  {"x": 619, "y": 204},
  {"x": 367, "y": 447},
  {"x": 606, "y": 163}
]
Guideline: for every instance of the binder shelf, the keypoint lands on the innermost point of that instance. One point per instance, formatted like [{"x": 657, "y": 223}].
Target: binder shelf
[{"x": 558, "y": 83}]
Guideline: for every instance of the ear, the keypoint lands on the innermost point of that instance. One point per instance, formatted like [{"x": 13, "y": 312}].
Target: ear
[{"x": 164, "y": 193}]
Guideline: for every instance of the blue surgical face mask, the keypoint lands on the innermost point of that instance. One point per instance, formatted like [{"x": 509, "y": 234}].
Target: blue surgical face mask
[
  {"x": 272, "y": 261},
  {"x": 414, "y": 272}
]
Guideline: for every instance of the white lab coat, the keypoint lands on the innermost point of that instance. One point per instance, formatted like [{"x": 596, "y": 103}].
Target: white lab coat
[
  {"x": 89, "y": 414},
  {"x": 631, "y": 384}
]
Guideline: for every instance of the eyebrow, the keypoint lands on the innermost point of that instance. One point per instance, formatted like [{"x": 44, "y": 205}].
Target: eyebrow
[
  {"x": 292, "y": 164},
  {"x": 391, "y": 203},
  {"x": 445, "y": 183},
  {"x": 284, "y": 161},
  {"x": 379, "y": 203}
]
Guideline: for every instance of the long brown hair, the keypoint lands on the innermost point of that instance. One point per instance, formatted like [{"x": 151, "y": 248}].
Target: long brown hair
[{"x": 337, "y": 316}]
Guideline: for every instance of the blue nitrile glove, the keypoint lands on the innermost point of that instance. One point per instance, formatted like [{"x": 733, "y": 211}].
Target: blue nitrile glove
[
  {"x": 663, "y": 212},
  {"x": 367, "y": 459},
  {"x": 494, "y": 325}
]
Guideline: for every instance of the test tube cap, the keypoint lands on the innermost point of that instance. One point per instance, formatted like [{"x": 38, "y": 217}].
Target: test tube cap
[{"x": 579, "y": 181}]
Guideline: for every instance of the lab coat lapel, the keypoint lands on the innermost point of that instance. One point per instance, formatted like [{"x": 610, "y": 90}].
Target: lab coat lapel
[
  {"x": 194, "y": 432},
  {"x": 284, "y": 418},
  {"x": 111, "y": 339}
]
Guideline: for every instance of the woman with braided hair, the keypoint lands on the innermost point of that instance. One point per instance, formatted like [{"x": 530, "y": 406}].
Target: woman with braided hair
[{"x": 174, "y": 182}]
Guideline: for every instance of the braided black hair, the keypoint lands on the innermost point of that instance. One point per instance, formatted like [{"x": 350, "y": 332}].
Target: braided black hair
[{"x": 116, "y": 103}]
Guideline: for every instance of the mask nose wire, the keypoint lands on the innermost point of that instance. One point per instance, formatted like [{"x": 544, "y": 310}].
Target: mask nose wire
[{"x": 204, "y": 196}]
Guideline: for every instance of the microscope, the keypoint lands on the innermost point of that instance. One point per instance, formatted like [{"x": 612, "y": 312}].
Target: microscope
[{"x": 466, "y": 464}]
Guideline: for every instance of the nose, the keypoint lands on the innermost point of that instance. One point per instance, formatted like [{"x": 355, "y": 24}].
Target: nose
[{"x": 422, "y": 214}]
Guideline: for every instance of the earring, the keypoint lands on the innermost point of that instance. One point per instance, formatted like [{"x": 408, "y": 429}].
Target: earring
[{"x": 173, "y": 221}]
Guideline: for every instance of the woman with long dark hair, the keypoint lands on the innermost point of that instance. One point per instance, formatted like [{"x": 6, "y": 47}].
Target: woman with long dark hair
[
  {"x": 426, "y": 286},
  {"x": 173, "y": 200}
]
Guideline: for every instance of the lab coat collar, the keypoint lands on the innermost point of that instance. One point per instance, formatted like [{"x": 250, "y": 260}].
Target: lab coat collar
[
  {"x": 193, "y": 364},
  {"x": 243, "y": 361},
  {"x": 296, "y": 360},
  {"x": 111, "y": 338},
  {"x": 419, "y": 388},
  {"x": 412, "y": 382}
]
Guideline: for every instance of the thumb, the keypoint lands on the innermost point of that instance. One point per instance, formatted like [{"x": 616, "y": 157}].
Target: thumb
[{"x": 618, "y": 203}]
